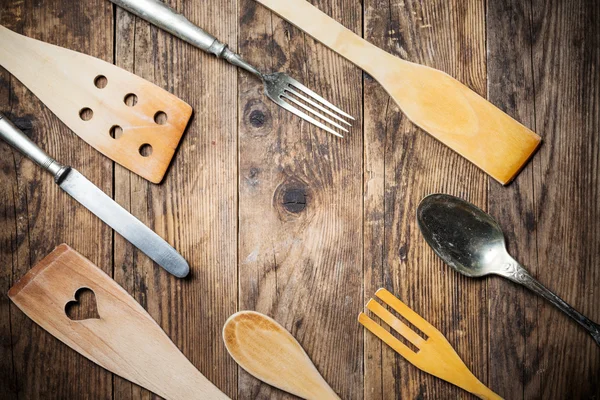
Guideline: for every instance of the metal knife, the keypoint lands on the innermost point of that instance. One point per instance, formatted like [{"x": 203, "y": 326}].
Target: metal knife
[{"x": 95, "y": 200}]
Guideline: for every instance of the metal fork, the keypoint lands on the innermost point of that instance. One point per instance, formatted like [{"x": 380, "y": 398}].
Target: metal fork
[
  {"x": 434, "y": 354},
  {"x": 279, "y": 87}
]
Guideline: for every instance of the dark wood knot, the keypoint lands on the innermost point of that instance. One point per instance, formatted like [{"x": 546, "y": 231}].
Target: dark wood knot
[
  {"x": 294, "y": 199},
  {"x": 257, "y": 118}
]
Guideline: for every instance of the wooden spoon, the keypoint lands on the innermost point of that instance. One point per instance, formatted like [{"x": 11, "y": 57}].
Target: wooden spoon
[{"x": 270, "y": 353}]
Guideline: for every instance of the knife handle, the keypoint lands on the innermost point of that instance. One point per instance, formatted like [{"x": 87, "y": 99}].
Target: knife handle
[
  {"x": 17, "y": 139},
  {"x": 158, "y": 13}
]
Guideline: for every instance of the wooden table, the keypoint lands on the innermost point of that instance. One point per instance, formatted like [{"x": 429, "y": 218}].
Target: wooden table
[{"x": 283, "y": 218}]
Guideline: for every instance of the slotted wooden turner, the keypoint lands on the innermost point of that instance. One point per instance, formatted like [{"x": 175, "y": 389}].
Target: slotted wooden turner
[
  {"x": 434, "y": 355},
  {"x": 124, "y": 339},
  {"x": 126, "y": 118},
  {"x": 433, "y": 100}
]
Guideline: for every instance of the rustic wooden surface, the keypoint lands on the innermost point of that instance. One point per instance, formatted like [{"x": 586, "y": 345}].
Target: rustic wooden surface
[{"x": 279, "y": 217}]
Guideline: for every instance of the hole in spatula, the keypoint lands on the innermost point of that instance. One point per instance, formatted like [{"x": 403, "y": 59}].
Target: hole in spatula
[
  {"x": 146, "y": 150},
  {"x": 100, "y": 81},
  {"x": 130, "y": 99},
  {"x": 86, "y": 114},
  {"x": 116, "y": 131},
  {"x": 160, "y": 118},
  {"x": 83, "y": 307}
]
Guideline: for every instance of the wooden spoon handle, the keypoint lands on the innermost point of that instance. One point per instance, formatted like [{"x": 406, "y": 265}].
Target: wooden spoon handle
[
  {"x": 124, "y": 339},
  {"x": 325, "y": 29}
]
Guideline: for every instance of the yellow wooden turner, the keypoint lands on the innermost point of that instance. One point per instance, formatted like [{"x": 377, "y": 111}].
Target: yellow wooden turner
[
  {"x": 434, "y": 355},
  {"x": 123, "y": 116},
  {"x": 433, "y": 100}
]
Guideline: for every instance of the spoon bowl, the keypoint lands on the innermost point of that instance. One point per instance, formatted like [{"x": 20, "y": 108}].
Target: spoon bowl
[{"x": 464, "y": 236}]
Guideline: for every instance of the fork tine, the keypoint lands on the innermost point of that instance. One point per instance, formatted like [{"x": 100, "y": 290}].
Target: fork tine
[
  {"x": 324, "y": 118},
  {"x": 312, "y": 94},
  {"x": 395, "y": 323},
  {"x": 315, "y": 104},
  {"x": 387, "y": 337},
  {"x": 406, "y": 312},
  {"x": 307, "y": 117}
]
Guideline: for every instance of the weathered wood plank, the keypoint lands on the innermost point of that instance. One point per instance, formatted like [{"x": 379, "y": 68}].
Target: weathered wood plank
[
  {"x": 194, "y": 208},
  {"x": 44, "y": 215},
  {"x": 402, "y": 165},
  {"x": 300, "y": 201},
  {"x": 566, "y": 61},
  {"x": 513, "y": 334}
]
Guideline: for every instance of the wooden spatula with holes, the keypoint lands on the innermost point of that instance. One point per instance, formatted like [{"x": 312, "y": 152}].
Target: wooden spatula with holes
[
  {"x": 433, "y": 100},
  {"x": 270, "y": 353},
  {"x": 123, "y": 338},
  {"x": 126, "y": 118}
]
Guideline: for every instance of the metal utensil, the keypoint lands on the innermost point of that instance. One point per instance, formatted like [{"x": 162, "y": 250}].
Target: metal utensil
[
  {"x": 95, "y": 200},
  {"x": 433, "y": 354},
  {"x": 472, "y": 242},
  {"x": 279, "y": 87}
]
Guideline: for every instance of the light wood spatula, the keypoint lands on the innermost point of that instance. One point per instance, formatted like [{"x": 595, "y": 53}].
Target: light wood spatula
[
  {"x": 126, "y": 118},
  {"x": 434, "y": 354},
  {"x": 436, "y": 102},
  {"x": 124, "y": 339},
  {"x": 269, "y": 352}
]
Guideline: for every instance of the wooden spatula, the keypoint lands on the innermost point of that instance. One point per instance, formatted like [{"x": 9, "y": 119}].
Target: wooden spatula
[
  {"x": 433, "y": 354},
  {"x": 124, "y": 339},
  {"x": 126, "y": 118},
  {"x": 269, "y": 352},
  {"x": 436, "y": 102}
]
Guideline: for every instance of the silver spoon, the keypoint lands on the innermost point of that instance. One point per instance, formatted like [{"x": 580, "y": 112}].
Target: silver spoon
[{"x": 471, "y": 242}]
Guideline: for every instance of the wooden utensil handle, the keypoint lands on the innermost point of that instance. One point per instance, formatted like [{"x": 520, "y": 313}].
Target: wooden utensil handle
[
  {"x": 124, "y": 339},
  {"x": 325, "y": 29}
]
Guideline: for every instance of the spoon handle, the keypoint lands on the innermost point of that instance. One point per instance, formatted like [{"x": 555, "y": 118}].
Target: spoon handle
[{"x": 518, "y": 274}]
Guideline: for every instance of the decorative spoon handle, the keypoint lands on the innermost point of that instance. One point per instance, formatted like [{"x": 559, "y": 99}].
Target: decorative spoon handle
[{"x": 516, "y": 273}]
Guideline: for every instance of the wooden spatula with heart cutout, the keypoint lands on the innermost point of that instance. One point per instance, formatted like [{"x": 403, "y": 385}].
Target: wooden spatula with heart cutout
[
  {"x": 121, "y": 336},
  {"x": 270, "y": 353},
  {"x": 433, "y": 100},
  {"x": 126, "y": 118}
]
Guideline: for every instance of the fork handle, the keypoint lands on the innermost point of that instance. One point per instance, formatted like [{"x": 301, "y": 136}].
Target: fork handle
[{"x": 158, "y": 13}]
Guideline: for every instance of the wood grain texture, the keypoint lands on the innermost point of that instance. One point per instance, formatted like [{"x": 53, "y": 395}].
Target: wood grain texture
[
  {"x": 119, "y": 336},
  {"x": 300, "y": 201},
  {"x": 44, "y": 215},
  {"x": 402, "y": 166},
  {"x": 566, "y": 60},
  {"x": 302, "y": 226},
  {"x": 512, "y": 326},
  {"x": 195, "y": 206}
]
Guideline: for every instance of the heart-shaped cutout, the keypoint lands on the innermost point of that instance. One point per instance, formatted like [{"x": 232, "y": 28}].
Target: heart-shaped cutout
[{"x": 83, "y": 307}]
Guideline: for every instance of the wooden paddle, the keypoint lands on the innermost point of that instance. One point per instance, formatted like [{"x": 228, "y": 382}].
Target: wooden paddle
[
  {"x": 433, "y": 100},
  {"x": 123, "y": 116},
  {"x": 270, "y": 353},
  {"x": 124, "y": 339}
]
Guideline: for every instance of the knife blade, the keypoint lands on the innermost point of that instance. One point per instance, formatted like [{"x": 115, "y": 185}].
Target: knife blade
[{"x": 100, "y": 204}]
